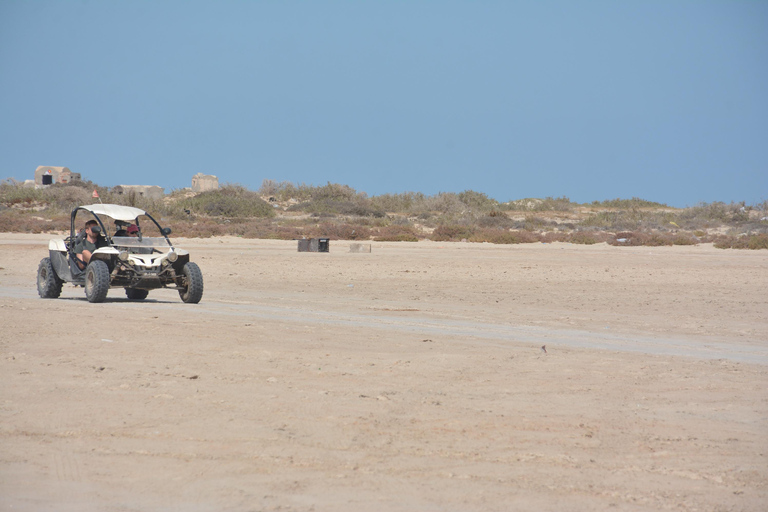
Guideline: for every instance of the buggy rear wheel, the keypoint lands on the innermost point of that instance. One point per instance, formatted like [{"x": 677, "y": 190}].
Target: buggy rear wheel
[
  {"x": 96, "y": 281},
  {"x": 48, "y": 282}
]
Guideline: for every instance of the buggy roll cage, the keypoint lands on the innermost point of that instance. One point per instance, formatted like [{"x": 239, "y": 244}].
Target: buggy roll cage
[{"x": 120, "y": 214}]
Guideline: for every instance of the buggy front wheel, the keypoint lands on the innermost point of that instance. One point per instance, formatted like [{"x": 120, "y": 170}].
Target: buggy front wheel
[
  {"x": 193, "y": 282},
  {"x": 96, "y": 281}
]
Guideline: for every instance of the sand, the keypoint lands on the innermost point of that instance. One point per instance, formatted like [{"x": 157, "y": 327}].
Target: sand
[{"x": 410, "y": 378}]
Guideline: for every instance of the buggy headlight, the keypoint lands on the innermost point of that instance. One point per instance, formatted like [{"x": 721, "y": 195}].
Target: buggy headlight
[
  {"x": 123, "y": 255},
  {"x": 172, "y": 256}
]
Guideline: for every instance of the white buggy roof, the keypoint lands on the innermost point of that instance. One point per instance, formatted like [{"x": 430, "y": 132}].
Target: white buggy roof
[{"x": 116, "y": 211}]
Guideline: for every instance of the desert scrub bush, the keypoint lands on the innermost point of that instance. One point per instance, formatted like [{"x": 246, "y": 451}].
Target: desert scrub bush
[
  {"x": 522, "y": 205},
  {"x": 628, "y": 220},
  {"x": 357, "y": 207},
  {"x": 635, "y": 202},
  {"x": 396, "y": 233},
  {"x": 285, "y": 191},
  {"x": 12, "y": 221},
  {"x": 12, "y": 193},
  {"x": 338, "y": 231},
  {"x": 445, "y": 203},
  {"x": 557, "y": 204},
  {"x": 334, "y": 192},
  {"x": 264, "y": 229},
  {"x": 754, "y": 228},
  {"x": 155, "y": 207},
  {"x": 503, "y": 236},
  {"x": 405, "y": 202},
  {"x": 638, "y": 238},
  {"x": 657, "y": 239},
  {"x": 345, "y": 231},
  {"x": 206, "y": 228},
  {"x": 532, "y": 204},
  {"x": 64, "y": 197},
  {"x": 554, "y": 236},
  {"x": 228, "y": 201},
  {"x": 587, "y": 237},
  {"x": 754, "y": 242},
  {"x": 452, "y": 233},
  {"x": 604, "y": 220},
  {"x": 478, "y": 201},
  {"x": 685, "y": 239},
  {"x": 717, "y": 213},
  {"x": 328, "y": 193},
  {"x": 495, "y": 219},
  {"x": 269, "y": 188},
  {"x": 534, "y": 223},
  {"x": 56, "y": 198}
]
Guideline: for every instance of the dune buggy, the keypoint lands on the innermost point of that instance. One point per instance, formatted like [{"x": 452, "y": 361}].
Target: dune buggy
[{"x": 136, "y": 263}]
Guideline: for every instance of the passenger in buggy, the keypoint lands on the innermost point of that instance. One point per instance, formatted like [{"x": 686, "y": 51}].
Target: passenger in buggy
[{"x": 133, "y": 231}]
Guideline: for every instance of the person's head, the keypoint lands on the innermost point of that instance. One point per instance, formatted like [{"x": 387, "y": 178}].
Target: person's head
[
  {"x": 133, "y": 230},
  {"x": 92, "y": 228}
]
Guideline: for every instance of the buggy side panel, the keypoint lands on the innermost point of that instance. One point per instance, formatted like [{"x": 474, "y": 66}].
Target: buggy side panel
[
  {"x": 61, "y": 265},
  {"x": 58, "y": 253}
]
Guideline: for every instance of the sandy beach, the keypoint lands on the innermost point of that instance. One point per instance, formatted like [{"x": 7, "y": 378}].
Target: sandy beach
[{"x": 421, "y": 376}]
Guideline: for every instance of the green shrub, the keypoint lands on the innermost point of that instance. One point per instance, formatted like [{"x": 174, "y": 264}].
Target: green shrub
[
  {"x": 717, "y": 213},
  {"x": 16, "y": 194},
  {"x": 754, "y": 242},
  {"x": 358, "y": 208},
  {"x": 503, "y": 236},
  {"x": 477, "y": 201},
  {"x": 587, "y": 237},
  {"x": 446, "y": 203},
  {"x": 641, "y": 238},
  {"x": 12, "y": 221},
  {"x": 451, "y": 233},
  {"x": 495, "y": 219},
  {"x": 396, "y": 234},
  {"x": 557, "y": 204},
  {"x": 337, "y": 231},
  {"x": 684, "y": 239},
  {"x": 554, "y": 236},
  {"x": 758, "y": 242},
  {"x": 635, "y": 202},
  {"x": 406, "y": 202},
  {"x": 228, "y": 201},
  {"x": 628, "y": 220}
]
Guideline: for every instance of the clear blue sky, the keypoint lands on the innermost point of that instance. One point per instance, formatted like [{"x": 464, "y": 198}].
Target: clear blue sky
[{"x": 663, "y": 100}]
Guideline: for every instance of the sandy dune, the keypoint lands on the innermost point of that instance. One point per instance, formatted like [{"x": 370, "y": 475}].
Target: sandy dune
[{"x": 410, "y": 378}]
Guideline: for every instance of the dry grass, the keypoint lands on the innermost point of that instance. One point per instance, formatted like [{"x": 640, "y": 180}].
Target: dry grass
[{"x": 287, "y": 211}]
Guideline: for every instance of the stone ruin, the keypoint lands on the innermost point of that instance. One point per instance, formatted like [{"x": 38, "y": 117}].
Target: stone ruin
[
  {"x": 48, "y": 175},
  {"x": 204, "y": 182}
]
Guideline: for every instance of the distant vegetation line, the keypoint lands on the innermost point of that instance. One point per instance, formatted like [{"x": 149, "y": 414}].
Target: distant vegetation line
[{"x": 285, "y": 210}]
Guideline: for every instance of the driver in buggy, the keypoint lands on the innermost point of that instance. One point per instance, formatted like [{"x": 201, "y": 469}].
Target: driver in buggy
[{"x": 87, "y": 243}]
